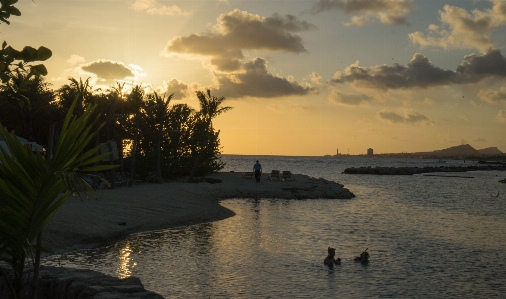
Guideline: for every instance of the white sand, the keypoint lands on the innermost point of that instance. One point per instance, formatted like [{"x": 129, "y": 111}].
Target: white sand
[{"x": 148, "y": 206}]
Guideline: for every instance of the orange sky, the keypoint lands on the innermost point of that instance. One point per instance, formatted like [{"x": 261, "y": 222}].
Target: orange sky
[{"x": 304, "y": 77}]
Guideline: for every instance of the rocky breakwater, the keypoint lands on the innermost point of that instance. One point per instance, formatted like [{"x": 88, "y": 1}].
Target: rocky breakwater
[
  {"x": 418, "y": 170},
  {"x": 67, "y": 283}
]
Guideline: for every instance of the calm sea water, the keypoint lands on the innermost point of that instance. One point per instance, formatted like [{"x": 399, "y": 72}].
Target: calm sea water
[{"x": 428, "y": 237}]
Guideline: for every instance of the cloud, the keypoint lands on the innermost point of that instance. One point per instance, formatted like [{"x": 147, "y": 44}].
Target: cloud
[
  {"x": 421, "y": 73},
  {"x": 237, "y": 31},
  {"x": 493, "y": 96},
  {"x": 410, "y": 117},
  {"x": 223, "y": 2},
  {"x": 462, "y": 30},
  {"x": 255, "y": 81},
  {"x": 501, "y": 116},
  {"x": 298, "y": 108},
  {"x": 358, "y": 21},
  {"x": 391, "y": 12},
  {"x": 178, "y": 88},
  {"x": 106, "y": 70},
  {"x": 348, "y": 99},
  {"x": 152, "y": 7},
  {"x": 314, "y": 78},
  {"x": 76, "y": 59},
  {"x": 480, "y": 140}
]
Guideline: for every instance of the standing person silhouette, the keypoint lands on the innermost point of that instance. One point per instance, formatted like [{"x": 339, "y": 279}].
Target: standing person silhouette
[{"x": 257, "y": 168}]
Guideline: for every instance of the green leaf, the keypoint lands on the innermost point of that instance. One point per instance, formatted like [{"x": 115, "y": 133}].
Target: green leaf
[
  {"x": 3, "y": 19},
  {"x": 9, "y": 2},
  {"x": 38, "y": 70},
  {"x": 10, "y": 51},
  {"x": 23, "y": 100},
  {"x": 4, "y": 77},
  {"x": 43, "y": 53},
  {"x": 12, "y": 10},
  {"x": 28, "y": 54}
]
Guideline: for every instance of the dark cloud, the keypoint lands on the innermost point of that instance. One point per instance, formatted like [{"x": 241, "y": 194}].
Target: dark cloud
[
  {"x": 349, "y": 99},
  {"x": 406, "y": 118},
  {"x": 421, "y": 73},
  {"x": 387, "y": 11},
  {"x": 239, "y": 30},
  {"x": 108, "y": 70},
  {"x": 256, "y": 81},
  {"x": 178, "y": 88},
  {"x": 288, "y": 23},
  {"x": 475, "y": 68}
]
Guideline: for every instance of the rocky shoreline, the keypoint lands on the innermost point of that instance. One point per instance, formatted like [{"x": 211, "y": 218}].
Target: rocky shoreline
[
  {"x": 418, "y": 170},
  {"x": 69, "y": 283}
]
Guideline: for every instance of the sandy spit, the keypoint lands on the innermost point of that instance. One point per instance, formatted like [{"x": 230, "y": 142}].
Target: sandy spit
[{"x": 146, "y": 206}]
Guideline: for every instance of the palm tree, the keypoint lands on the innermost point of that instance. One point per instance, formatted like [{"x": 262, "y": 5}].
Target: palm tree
[
  {"x": 118, "y": 97},
  {"x": 29, "y": 118},
  {"x": 33, "y": 188},
  {"x": 210, "y": 107},
  {"x": 135, "y": 104},
  {"x": 68, "y": 93},
  {"x": 156, "y": 113}
]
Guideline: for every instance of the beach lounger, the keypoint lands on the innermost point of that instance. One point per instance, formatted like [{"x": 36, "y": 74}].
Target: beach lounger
[
  {"x": 248, "y": 175},
  {"x": 287, "y": 175},
  {"x": 152, "y": 177},
  {"x": 120, "y": 180},
  {"x": 274, "y": 175}
]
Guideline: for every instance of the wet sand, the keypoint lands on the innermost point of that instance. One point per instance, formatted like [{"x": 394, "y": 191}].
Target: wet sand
[{"x": 144, "y": 207}]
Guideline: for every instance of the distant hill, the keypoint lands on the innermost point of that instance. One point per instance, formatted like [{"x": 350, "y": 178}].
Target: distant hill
[
  {"x": 490, "y": 151},
  {"x": 459, "y": 150}
]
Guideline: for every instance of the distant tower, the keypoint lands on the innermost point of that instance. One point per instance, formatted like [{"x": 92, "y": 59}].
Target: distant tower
[
  {"x": 337, "y": 152},
  {"x": 370, "y": 152}
]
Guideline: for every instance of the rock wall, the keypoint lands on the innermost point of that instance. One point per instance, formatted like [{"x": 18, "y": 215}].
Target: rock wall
[
  {"x": 417, "y": 170},
  {"x": 69, "y": 283}
]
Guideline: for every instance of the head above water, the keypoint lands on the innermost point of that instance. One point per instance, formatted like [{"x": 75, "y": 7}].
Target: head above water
[{"x": 331, "y": 251}]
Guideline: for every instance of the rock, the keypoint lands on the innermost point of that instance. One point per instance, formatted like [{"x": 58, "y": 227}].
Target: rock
[{"x": 69, "y": 283}]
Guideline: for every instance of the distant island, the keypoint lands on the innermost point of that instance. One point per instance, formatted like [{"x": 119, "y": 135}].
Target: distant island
[{"x": 459, "y": 152}]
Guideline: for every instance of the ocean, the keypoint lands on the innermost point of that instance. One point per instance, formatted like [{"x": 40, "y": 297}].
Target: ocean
[{"x": 427, "y": 236}]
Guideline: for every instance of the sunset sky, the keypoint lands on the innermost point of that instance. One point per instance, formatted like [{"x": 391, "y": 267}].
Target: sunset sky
[{"x": 304, "y": 77}]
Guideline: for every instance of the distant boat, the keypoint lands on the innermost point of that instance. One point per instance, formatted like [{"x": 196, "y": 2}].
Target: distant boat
[{"x": 441, "y": 161}]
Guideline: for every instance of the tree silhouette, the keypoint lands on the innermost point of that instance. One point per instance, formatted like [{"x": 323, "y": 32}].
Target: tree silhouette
[
  {"x": 157, "y": 113},
  {"x": 75, "y": 89},
  {"x": 210, "y": 107},
  {"x": 135, "y": 104}
]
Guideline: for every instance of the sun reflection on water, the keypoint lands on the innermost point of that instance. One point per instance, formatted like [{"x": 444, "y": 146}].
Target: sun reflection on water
[{"x": 125, "y": 268}]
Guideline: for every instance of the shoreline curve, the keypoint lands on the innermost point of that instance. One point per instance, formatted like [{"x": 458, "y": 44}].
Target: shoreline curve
[{"x": 122, "y": 211}]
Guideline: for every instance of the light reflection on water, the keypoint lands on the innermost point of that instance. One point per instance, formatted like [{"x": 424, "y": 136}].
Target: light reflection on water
[{"x": 428, "y": 238}]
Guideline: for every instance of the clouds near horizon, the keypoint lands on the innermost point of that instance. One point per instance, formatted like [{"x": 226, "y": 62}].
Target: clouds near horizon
[
  {"x": 420, "y": 72},
  {"x": 409, "y": 117},
  {"x": 391, "y": 12},
  {"x": 462, "y": 30},
  {"x": 349, "y": 99}
]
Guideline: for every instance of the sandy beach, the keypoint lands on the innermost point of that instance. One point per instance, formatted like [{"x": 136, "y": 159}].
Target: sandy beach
[{"x": 144, "y": 207}]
